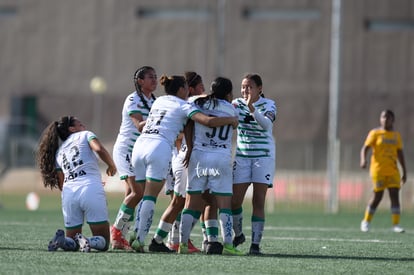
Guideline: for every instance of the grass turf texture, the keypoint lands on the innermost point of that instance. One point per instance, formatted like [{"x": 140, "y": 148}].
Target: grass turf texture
[{"x": 295, "y": 242}]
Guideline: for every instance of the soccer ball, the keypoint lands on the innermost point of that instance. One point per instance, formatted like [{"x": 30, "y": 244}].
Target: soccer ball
[{"x": 32, "y": 201}]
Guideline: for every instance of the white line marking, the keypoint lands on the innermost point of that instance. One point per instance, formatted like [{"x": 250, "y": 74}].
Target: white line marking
[{"x": 328, "y": 239}]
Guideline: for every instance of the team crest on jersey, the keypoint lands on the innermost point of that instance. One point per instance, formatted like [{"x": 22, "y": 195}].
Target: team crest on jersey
[{"x": 270, "y": 115}]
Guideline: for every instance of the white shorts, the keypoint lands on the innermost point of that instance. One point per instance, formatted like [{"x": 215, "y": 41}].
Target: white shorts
[
  {"x": 150, "y": 159},
  {"x": 85, "y": 202},
  {"x": 209, "y": 170},
  {"x": 258, "y": 170},
  {"x": 122, "y": 158},
  {"x": 180, "y": 175}
]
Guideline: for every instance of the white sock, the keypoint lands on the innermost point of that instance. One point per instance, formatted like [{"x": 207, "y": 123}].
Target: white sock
[
  {"x": 257, "y": 231},
  {"x": 238, "y": 224},
  {"x": 175, "y": 232},
  {"x": 185, "y": 227},
  {"x": 162, "y": 231},
  {"x": 203, "y": 230},
  {"x": 145, "y": 219},
  {"x": 122, "y": 220},
  {"x": 126, "y": 228},
  {"x": 226, "y": 225},
  {"x": 137, "y": 215},
  {"x": 212, "y": 230}
]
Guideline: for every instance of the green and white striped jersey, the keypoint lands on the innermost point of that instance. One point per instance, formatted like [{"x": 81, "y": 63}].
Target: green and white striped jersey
[{"x": 254, "y": 132}]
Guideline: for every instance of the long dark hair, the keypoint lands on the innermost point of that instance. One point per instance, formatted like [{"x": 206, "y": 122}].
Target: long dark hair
[
  {"x": 219, "y": 89},
  {"x": 172, "y": 83},
  {"x": 140, "y": 74},
  {"x": 48, "y": 146},
  {"x": 192, "y": 79}
]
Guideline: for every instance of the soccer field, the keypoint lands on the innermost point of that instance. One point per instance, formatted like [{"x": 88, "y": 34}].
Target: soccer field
[{"x": 295, "y": 242}]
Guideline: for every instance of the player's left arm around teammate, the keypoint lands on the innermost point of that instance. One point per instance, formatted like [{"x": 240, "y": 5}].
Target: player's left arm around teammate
[{"x": 215, "y": 121}]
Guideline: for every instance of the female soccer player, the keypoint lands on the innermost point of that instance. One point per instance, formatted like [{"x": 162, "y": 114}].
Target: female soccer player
[
  {"x": 255, "y": 157},
  {"x": 73, "y": 168},
  {"x": 387, "y": 149},
  {"x": 209, "y": 167},
  {"x": 153, "y": 150},
  {"x": 170, "y": 219},
  {"x": 134, "y": 113}
]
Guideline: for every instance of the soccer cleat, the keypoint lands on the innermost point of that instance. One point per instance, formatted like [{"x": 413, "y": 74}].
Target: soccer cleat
[
  {"x": 57, "y": 241},
  {"x": 229, "y": 249},
  {"x": 183, "y": 248},
  {"x": 255, "y": 250},
  {"x": 138, "y": 246},
  {"x": 398, "y": 229},
  {"x": 239, "y": 240},
  {"x": 192, "y": 248},
  {"x": 364, "y": 226},
  {"x": 214, "y": 248},
  {"x": 173, "y": 246},
  {"x": 118, "y": 241},
  {"x": 83, "y": 242},
  {"x": 159, "y": 247}
]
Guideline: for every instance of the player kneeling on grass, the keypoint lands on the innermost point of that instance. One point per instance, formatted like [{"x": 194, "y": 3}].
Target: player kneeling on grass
[{"x": 73, "y": 168}]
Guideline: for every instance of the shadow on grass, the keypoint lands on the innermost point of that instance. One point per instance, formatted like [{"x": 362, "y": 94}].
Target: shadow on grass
[{"x": 267, "y": 255}]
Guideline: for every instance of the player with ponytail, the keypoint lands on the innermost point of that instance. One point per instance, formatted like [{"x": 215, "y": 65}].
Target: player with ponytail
[
  {"x": 134, "y": 113},
  {"x": 73, "y": 168}
]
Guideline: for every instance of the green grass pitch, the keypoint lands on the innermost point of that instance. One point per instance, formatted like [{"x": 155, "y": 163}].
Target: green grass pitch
[{"x": 298, "y": 241}]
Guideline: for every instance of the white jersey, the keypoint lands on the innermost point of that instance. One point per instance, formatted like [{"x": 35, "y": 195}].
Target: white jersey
[
  {"x": 218, "y": 138},
  {"x": 183, "y": 148},
  {"x": 128, "y": 132},
  {"x": 254, "y": 132},
  {"x": 210, "y": 163},
  {"x": 167, "y": 118},
  {"x": 77, "y": 161}
]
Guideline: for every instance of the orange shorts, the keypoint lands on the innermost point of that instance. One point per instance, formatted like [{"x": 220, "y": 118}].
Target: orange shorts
[{"x": 380, "y": 183}]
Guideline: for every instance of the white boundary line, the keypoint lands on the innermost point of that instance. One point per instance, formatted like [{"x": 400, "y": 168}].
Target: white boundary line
[{"x": 328, "y": 240}]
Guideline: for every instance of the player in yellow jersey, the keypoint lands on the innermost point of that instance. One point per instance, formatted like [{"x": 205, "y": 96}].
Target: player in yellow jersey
[{"x": 387, "y": 150}]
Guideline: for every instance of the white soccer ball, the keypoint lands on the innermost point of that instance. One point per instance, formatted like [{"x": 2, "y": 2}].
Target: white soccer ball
[{"x": 32, "y": 201}]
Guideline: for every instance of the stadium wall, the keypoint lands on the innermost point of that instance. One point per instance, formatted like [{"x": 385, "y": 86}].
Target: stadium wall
[{"x": 50, "y": 51}]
